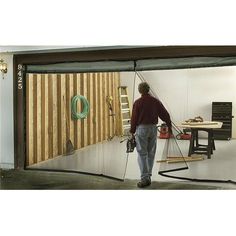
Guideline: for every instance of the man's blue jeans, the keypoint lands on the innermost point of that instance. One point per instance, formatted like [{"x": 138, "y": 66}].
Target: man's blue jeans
[{"x": 146, "y": 140}]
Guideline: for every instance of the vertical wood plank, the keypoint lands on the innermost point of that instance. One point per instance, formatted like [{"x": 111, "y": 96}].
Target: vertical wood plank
[
  {"x": 118, "y": 108},
  {"x": 96, "y": 106},
  {"x": 55, "y": 123},
  {"x": 45, "y": 109},
  {"x": 59, "y": 114},
  {"x": 107, "y": 106},
  {"x": 82, "y": 121},
  {"x": 116, "y": 100},
  {"x": 69, "y": 121},
  {"x": 88, "y": 118},
  {"x": 100, "y": 107},
  {"x": 50, "y": 116},
  {"x": 39, "y": 123},
  {"x": 67, "y": 111},
  {"x": 111, "y": 112},
  {"x": 104, "y": 111},
  {"x": 75, "y": 93},
  {"x": 90, "y": 114},
  {"x": 85, "y": 123},
  {"x": 29, "y": 120},
  {"x": 43, "y": 115},
  {"x": 71, "y": 94},
  {"x": 107, "y": 117},
  {"x": 113, "y": 102},
  {"x": 35, "y": 123},
  {"x": 63, "y": 112},
  {"x": 78, "y": 92}
]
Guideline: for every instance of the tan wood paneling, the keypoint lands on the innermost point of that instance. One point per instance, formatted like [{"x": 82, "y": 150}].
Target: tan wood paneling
[{"x": 48, "y": 108}]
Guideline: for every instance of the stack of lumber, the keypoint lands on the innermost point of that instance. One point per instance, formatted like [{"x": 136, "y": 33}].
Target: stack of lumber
[{"x": 181, "y": 159}]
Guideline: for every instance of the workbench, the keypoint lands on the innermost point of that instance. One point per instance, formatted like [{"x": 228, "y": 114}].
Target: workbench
[{"x": 194, "y": 145}]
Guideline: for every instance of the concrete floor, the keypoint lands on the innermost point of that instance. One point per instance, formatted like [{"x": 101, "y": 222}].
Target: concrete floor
[
  {"x": 31, "y": 179},
  {"x": 109, "y": 159}
]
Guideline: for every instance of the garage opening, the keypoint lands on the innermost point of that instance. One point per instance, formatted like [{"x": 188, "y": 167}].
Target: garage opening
[{"x": 98, "y": 138}]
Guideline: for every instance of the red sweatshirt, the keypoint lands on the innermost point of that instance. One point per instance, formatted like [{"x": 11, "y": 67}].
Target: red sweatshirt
[{"x": 146, "y": 110}]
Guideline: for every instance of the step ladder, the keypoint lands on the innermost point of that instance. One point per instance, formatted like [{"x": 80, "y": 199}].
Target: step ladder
[{"x": 125, "y": 110}]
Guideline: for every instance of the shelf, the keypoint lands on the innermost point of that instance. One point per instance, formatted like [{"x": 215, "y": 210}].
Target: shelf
[{"x": 222, "y": 111}]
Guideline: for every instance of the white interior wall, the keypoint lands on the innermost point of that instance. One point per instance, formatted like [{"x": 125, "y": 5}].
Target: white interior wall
[
  {"x": 6, "y": 115},
  {"x": 187, "y": 93}
]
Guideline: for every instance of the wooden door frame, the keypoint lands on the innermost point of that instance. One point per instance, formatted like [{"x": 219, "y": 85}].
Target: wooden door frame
[{"x": 20, "y": 62}]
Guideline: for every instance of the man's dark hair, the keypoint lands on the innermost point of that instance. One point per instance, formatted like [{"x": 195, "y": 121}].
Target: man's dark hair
[{"x": 143, "y": 88}]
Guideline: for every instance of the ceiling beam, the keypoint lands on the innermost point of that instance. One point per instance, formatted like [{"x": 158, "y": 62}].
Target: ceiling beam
[{"x": 122, "y": 54}]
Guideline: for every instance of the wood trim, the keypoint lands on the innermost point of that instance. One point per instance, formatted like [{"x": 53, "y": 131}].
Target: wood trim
[
  {"x": 29, "y": 119},
  {"x": 19, "y": 83}
]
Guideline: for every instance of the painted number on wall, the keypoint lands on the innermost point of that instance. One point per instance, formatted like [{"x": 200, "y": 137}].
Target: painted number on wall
[{"x": 20, "y": 75}]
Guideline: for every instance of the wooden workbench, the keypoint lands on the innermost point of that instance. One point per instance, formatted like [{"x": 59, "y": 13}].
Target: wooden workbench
[{"x": 207, "y": 126}]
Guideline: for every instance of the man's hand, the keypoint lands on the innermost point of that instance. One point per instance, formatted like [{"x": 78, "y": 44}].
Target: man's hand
[{"x": 132, "y": 135}]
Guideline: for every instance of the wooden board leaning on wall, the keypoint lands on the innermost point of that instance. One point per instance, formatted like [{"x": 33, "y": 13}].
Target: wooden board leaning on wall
[{"x": 48, "y": 108}]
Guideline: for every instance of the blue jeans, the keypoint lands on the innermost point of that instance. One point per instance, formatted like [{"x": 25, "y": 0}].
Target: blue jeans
[{"x": 146, "y": 140}]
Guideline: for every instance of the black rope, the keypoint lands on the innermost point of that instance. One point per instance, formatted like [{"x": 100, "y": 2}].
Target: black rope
[{"x": 163, "y": 173}]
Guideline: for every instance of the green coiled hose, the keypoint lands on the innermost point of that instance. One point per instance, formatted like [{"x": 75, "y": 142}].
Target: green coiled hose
[{"x": 82, "y": 115}]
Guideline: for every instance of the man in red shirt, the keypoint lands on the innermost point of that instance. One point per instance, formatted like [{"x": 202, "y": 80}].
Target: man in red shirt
[{"x": 146, "y": 111}]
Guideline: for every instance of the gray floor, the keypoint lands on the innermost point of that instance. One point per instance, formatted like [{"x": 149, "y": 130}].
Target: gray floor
[
  {"x": 109, "y": 159},
  {"x": 45, "y": 180}
]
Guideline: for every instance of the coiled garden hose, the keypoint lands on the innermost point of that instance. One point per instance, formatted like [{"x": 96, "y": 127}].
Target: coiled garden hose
[{"x": 83, "y": 114}]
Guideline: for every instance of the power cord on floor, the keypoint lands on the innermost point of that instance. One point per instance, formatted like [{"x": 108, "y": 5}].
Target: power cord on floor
[{"x": 163, "y": 173}]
